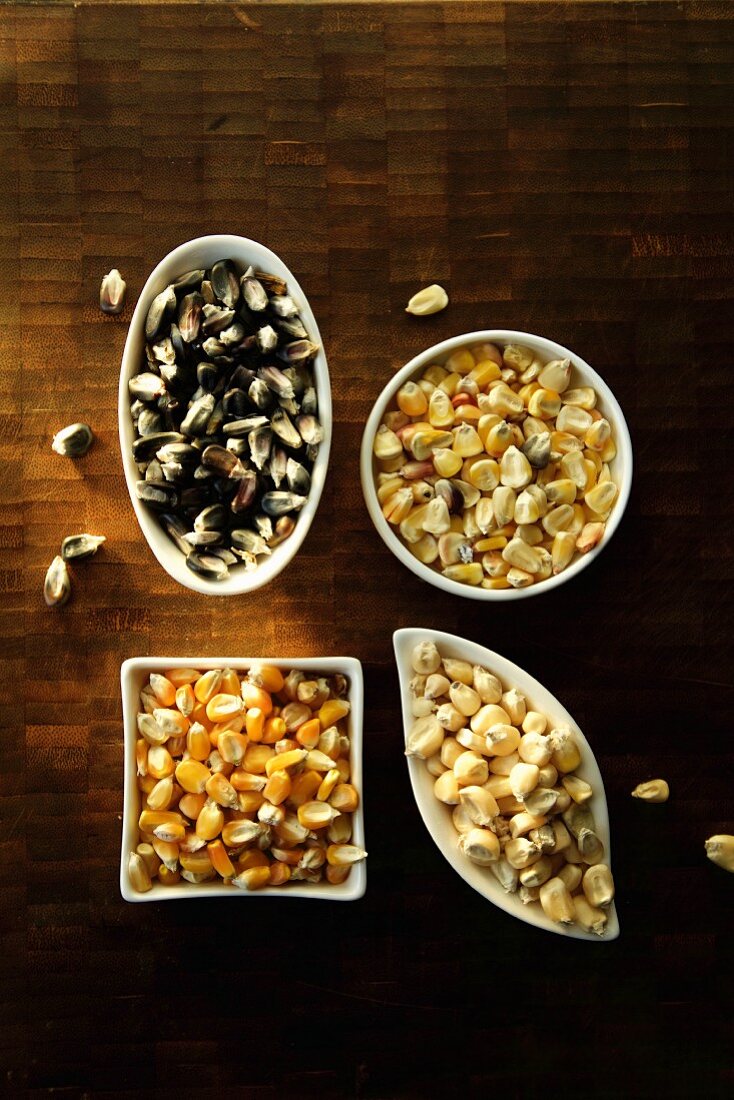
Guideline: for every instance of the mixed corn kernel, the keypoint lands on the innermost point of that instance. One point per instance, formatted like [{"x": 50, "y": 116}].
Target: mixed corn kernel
[
  {"x": 510, "y": 783},
  {"x": 244, "y": 777},
  {"x": 494, "y": 468}
]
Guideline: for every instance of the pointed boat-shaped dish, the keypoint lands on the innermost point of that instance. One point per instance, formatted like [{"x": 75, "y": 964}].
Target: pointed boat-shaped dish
[{"x": 436, "y": 815}]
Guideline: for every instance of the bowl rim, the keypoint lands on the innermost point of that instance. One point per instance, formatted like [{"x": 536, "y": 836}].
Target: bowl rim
[
  {"x": 424, "y": 359},
  {"x": 225, "y": 245},
  {"x": 132, "y": 674},
  {"x": 512, "y": 675}
]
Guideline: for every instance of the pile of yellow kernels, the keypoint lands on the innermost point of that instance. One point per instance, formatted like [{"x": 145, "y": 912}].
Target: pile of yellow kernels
[
  {"x": 494, "y": 468},
  {"x": 245, "y": 777},
  {"x": 509, "y": 781}
]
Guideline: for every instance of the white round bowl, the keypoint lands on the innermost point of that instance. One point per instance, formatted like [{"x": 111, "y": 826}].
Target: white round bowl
[
  {"x": 584, "y": 375},
  {"x": 202, "y": 253}
]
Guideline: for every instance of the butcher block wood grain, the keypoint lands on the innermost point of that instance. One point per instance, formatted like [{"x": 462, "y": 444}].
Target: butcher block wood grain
[{"x": 561, "y": 168}]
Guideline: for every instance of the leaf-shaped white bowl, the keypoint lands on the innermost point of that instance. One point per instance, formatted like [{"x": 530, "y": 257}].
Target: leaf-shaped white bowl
[
  {"x": 203, "y": 252},
  {"x": 437, "y": 816}
]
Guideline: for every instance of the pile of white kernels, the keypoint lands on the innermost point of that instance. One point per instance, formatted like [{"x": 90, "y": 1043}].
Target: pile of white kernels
[
  {"x": 494, "y": 468},
  {"x": 510, "y": 784}
]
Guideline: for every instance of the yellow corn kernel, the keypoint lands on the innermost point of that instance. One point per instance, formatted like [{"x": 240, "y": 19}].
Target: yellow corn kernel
[
  {"x": 232, "y": 747},
  {"x": 556, "y": 901},
  {"x": 254, "y": 696},
  {"x": 168, "y": 877},
  {"x": 286, "y": 744},
  {"x": 141, "y": 757},
  {"x": 191, "y": 805},
  {"x": 590, "y": 535},
  {"x": 219, "y": 859},
  {"x": 192, "y": 775},
  {"x": 253, "y": 857},
  {"x": 279, "y": 873},
  {"x": 254, "y": 878},
  {"x": 308, "y": 734},
  {"x": 161, "y": 797},
  {"x": 197, "y": 863},
  {"x": 256, "y": 757},
  {"x": 496, "y": 582},
  {"x": 163, "y": 689},
  {"x": 243, "y": 780},
  {"x": 267, "y": 676},
  {"x": 250, "y": 801},
  {"x": 284, "y": 760},
  {"x": 149, "y": 857},
  {"x": 221, "y": 791},
  {"x": 138, "y": 873},
  {"x": 237, "y": 833},
  {"x": 598, "y": 886},
  {"x": 181, "y": 676},
  {"x": 278, "y": 787},
  {"x": 304, "y": 787},
  {"x": 209, "y": 821},
  {"x": 344, "y": 798},
  {"x": 327, "y": 785},
  {"x": 273, "y": 730},
  {"x": 465, "y": 572},
  {"x": 316, "y": 815},
  {"x": 207, "y": 686},
  {"x": 151, "y": 819},
  {"x": 160, "y": 762},
  {"x": 337, "y": 875},
  {"x": 564, "y": 548},
  {"x": 254, "y": 723},
  {"x": 168, "y": 853},
  {"x": 222, "y": 707},
  {"x": 332, "y": 711},
  {"x": 344, "y": 855},
  {"x": 185, "y": 699},
  {"x": 411, "y": 399},
  {"x": 386, "y": 444}
]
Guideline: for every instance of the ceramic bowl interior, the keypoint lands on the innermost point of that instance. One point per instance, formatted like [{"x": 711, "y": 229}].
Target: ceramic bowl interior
[
  {"x": 436, "y": 815},
  {"x": 202, "y": 253},
  {"x": 584, "y": 375},
  {"x": 133, "y": 674}
]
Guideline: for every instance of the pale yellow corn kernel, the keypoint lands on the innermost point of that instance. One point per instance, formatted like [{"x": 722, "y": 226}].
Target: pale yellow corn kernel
[
  {"x": 466, "y": 441},
  {"x": 423, "y": 443},
  {"x": 446, "y": 789},
  {"x": 481, "y": 846},
  {"x": 284, "y": 760},
  {"x": 515, "y": 473},
  {"x": 446, "y": 462},
  {"x": 564, "y": 548},
  {"x": 558, "y": 519},
  {"x": 460, "y": 819},
  {"x": 566, "y": 755},
  {"x": 458, "y": 670},
  {"x": 563, "y": 801},
  {"x": 573, "y": 468},
  {"x": 521, "y": 852},
  {"x": 344, "y": 855},
  {"x": 221, "y": 791},
  {"x": 523, "y": 779},
  {"x": 502, "y": 739},
  {"x": 498, "y": 437},
  {"x": 536, "y": 723},
  {"x": 720, "y": 850},
  {"x": 471, "y": 573},
  {"x": 316, "y": 815},
  {"x": 544, "y": 404},
  {"x": 579, "y": 790},
  {"x": 571, "y": 876},
  {"x": 464, "y": 698},
  {"x": 396, "y": 508},
  {"x": 527, "y": 390},
  {"x": 654, "y": 790},
  {"x": 440, "y": 410},
  {"x": 608, "y": 451},
  {"x": 479, "y": 803},
  {"x": 503, "y": 765},
  {"x": 503, "y": 505},
  {"x": 497, "y": 582},
  {"x": 556, "y": 375},
  {"x": 161, "y": 797},
  {"x": 488, "y": 715},
  {"x": 541, "y": 801},
  {"x": 181, "y": 676},
  {"x": 484, "y": 474},
  {"x": 425, "y": 737},
  {"x": 171, "y": 722},
  {"x": 514, "y": 705},
  {"x": 556, "y": 901},
  {"x": 518, "y": 578},
  {"x": 149, "y": 820},
  {"x": 601, "y": 497},
  {"x": 498, "y": 786},
  {"x": 496, "y": 542},
  {"x": 434, "y": 374},
  {"x": 588, "y": 917},
  {"x": 574, "y": 420},
  {"x": 185, "y": 699},
  {"x": 531, "y": 535},
  {"x": 537, "y": 873},
  {"x": 411, "y": 399},
  {"x": 149, "y": 857},
  {"x": 450, "y": 383},
  {"x": 504, "y": 402},
  {"x": 160, "y": 762},
  {"x": 386, "y": 444},
  {"x": 561, "y": 491},
  {"x": 521, "y": 821},
  {"x": 535, "y": 749},
  {"x": 495, "y": 565},
  {"x": 138, "y": 873},
  {"x": 598, "y": 886},
  {"x": 597, "y": 435},
  {"x": 470, "y": 769},
  {"x": 548, "y": 776},
  {"x": 583, "y": 396},
  {"x": 192, "y": 775},
  {"x": 270, "y": 814},
  {"x": 522, "y": 556},
  {"x": 425, "y": 549},
  {"x": 590, "y": 536},
  {"x": 390, "y": 486},
  {"x": 526, "y": 509},
  {"x": 450, "y": 752},
  {"x": 460, "y": 362},
  {"x": 344, "y": 798}
]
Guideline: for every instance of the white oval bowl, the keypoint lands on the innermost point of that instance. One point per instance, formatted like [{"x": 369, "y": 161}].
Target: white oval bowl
[
  {"x": 620, "y": 468},
  {"x": 202, "y": 253},
  {"x": 437, "y": 817},
  {"x": 133, "y": 674}
]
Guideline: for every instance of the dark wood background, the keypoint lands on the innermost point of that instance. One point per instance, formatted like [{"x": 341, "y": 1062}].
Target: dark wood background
[{"x": 560, "y": 168}]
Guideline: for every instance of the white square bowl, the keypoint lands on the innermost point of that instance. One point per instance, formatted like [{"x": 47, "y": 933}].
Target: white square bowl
[{"x": 134, "y": 674}]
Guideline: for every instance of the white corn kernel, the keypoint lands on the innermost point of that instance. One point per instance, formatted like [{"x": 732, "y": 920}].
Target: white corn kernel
[
  {"x": 425, "y": 737},
  {"x": 523, "y": 780},
  {"x": 425, "y": 658},
  {"x": 556, "y": 375},
  {"x": 515, "y": 471},
  {"x": 502, "y": 739},
  {"x": 579, "y": 789},
  {"x": 588, "y": 917},
  {"x": 470, "y": 769},
  {"x": 487, "y": 716},
  {"x": 537, "y": 873},
  {"x": 571, "y": 875},
  {"x": 520, "y": 852},
  {"x": 481, "y": 846},
  {"x": 521, "y": 823},
  {"x": 464, "y": 698},
  {"x": 534, "y": 748},
  {"x": 446, "y": 789},
  {"x": 506, "y": 875},
  {"x": 479, "y": 803},
  {"x": 514, "y": 703},
  {"x": 449, "y": 717},
  {"x": 434, "y": 766}
]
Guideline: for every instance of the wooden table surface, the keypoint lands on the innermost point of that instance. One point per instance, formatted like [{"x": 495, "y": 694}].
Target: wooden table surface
[{"x": 563, "y": 169}]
